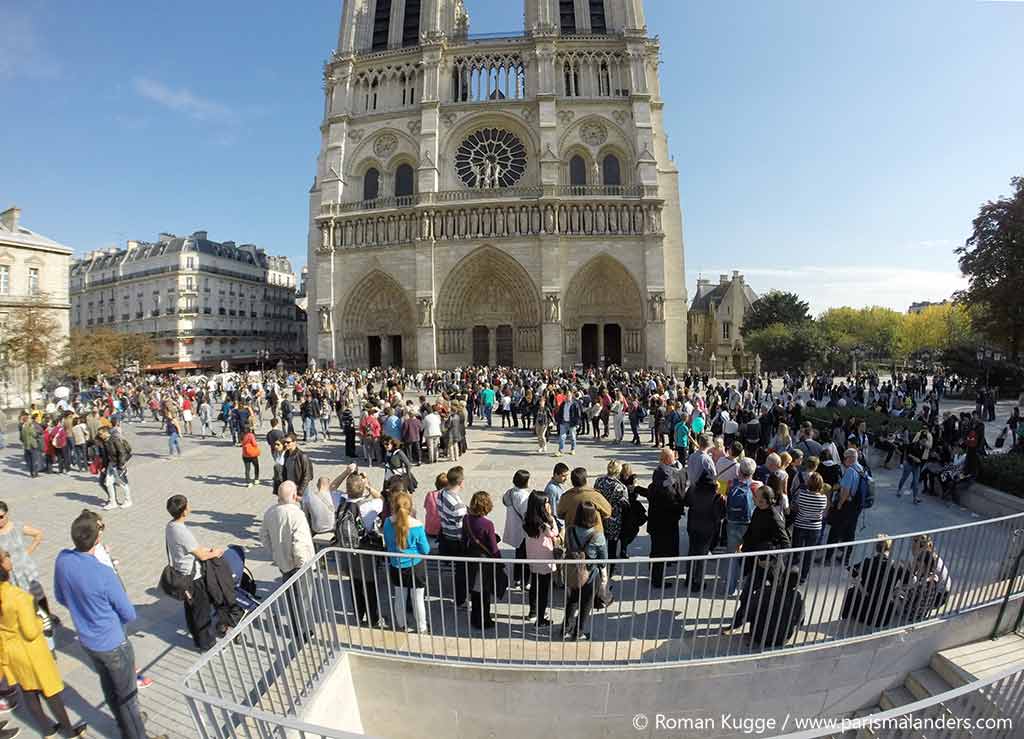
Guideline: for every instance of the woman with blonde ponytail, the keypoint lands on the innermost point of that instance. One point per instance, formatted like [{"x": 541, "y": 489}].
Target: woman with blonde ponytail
[{"x": 404, "y": 535}]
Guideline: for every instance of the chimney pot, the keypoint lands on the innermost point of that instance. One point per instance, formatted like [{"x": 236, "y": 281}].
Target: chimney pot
[{"x": 723, "y": 279}]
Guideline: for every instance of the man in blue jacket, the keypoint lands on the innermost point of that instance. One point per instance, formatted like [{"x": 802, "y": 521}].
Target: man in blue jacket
[
  {"x": 568, "y": 418},
  {"x": 100, "y": 609}
]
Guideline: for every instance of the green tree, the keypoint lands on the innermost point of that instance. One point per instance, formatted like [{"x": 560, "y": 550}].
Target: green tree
[
  {"x": 784, "y": 346},
  {"x": 992, "y": 260},
  {"x": 875, "y": 329},
  {"x": 33, "y": 339},
  {"x": 777, "y": 306},
  {"x": 87, "y": 354}
]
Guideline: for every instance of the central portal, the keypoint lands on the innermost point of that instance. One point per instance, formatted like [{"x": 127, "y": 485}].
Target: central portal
[
  {"x": 505, "y": 349},
  {"x": 481, "y": 345}
]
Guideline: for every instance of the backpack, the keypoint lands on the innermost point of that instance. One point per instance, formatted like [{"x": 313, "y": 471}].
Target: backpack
[
  {"x": 60, "y": 437},
  {"x": 250, "y": 449},
  {"x": 865, "y": 493},
  {"x": 736, "y": 502},
  {"x": 351, "y": 533},
  {"x": 127, "y": 449},
  {"x": 577, "y": 572}
]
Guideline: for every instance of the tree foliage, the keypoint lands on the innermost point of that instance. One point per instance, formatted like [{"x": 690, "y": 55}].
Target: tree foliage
[
  {"x": 992, "y": 260},
  {"x": 776, "y": 307},
  {"x": 874, "y": 329},
  {"x": 784, "y": 346},
  {"x": 32, "y": 339},
  {"x": 103, "y": 351},
  {"x": 935, "y": 329}
]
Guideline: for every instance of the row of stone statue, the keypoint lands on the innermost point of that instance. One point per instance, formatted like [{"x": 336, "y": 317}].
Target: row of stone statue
[{"x": 552, "y": 311}]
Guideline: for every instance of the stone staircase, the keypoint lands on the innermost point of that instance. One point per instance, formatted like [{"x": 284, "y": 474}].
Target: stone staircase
[{"x": 947, "y": 670}]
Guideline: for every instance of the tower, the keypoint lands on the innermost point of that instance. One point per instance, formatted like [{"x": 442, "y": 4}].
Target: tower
[{"x": 495, "y": 199}]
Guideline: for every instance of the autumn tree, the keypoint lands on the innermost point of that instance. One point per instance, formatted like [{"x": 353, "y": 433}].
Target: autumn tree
[
  {"x": 33, "y": 339},
  {"x": 992, "y": 260},
  {"x": 775, "y": 307}
]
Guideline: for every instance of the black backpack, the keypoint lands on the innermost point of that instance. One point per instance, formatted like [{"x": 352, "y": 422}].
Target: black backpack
[{"x": 351, "y": 533}]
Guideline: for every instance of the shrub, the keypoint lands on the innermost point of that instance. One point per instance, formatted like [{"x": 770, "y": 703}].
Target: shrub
[
  {"x": 1003, "y": 472},
  {"x": 822, "y": 419}
]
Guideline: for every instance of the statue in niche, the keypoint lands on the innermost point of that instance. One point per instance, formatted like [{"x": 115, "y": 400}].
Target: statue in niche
[
  {"x": 325, "y": 317},
  {"x": 426, "y": 311},
  {"x": 551, "y": 308},
  {"x": 657, "y": 307}
]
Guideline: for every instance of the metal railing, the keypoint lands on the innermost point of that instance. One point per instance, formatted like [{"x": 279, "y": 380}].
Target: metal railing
[
  {"x": 353, "y": 601},
  {"x": 992, "y": 707}
]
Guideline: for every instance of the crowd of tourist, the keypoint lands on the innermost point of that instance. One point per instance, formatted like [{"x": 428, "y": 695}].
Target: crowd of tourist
[{"x": 752, "y": 467}]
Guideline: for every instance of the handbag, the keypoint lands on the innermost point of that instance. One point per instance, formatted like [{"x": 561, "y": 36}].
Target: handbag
[{"x": 173, "y": 583}]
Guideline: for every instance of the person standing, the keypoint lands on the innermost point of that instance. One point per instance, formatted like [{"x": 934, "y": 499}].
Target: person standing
[
  {"x": 369, "y": 435},
  {"x": 452, "y": 510},
  {"x": 665, "y": 508},
  {"x": 432, "y": 433},
  {"x": 842, "y": 518},
  {"x": 100, "y": 609},
  {"x": 115, "y": 453},
  {"x": 407, "y": 575},
  {"x": 30, "y": 442},
  {"x": 297, "y": 466},
  {"x": 487, "y": 396},
  {"x": 348, "y": 428},
  {"x": 739, "y": 508},
  {"x": 568, "y": 417},
  {"x": 285, "y": 534},
  {"x": 27, "y": 660},
  {"x": 25, "y": 574},
  {"x": 917, "y": 452},
  {"x": 412, "y": 429},
  {"x": 542, "y": 536},
  {"x": 251, "y": 457},
  {"x": 185, "y": 555},
  {"x": 515, "y": 500},
  {"x": 614, "y": 491}
]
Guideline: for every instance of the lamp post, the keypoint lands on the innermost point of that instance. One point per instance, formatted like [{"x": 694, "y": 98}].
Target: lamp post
[{"x": 986, "y": 357}]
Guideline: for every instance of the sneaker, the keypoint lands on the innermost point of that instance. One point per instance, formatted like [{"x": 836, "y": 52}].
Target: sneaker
[
  {"x": 127, "y": 503},
  {"x": 111, "y": 505},
  {"x": 8, "y": 704},
  {"x": 52, "y": 731},
  {"x": 141, "y": 681},
  {"x": 249, "y": 485},
  {"x": 572, "y": 451},
  {"x": 558, "y": 454}
]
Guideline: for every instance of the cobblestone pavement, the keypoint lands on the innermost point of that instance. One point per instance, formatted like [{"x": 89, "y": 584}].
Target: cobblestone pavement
[{"x": 225, "y": 511}]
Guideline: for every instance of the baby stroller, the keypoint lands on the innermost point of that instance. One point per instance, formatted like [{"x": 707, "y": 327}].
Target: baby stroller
[{"x": 245, "y": 584}]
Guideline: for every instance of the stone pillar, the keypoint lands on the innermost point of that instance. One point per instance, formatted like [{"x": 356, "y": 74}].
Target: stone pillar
[
  {"x": 600, "y": 345},
  {"x": 385, "y": 351},
  {"x": 492, "y": 346},
  {"x": 552, "y": 345}
]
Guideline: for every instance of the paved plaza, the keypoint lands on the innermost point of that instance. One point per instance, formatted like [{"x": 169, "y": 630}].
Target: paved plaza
[{"x": 225, "y": 511}]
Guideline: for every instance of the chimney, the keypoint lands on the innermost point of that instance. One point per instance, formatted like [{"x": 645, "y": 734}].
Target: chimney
[
  {"x": 199, "y": 235},
  {"x": 132, "y": 244},
  {"x": 10, "y": 217},
  {"x": 736, "y": 275},
  {"x": 227, "y": 243},
  {"x": 723, "y": 279},
  {"x": 165, "y": 238}
]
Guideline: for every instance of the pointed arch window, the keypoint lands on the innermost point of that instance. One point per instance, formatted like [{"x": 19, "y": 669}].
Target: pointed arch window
[
  {"x": 611, "y": 174},
  {"x": 577, "y": 171},
  {"x": 403, "y": 181}
]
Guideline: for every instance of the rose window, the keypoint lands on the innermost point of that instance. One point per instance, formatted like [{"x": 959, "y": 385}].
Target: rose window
[{"x": 490, "y": 158}]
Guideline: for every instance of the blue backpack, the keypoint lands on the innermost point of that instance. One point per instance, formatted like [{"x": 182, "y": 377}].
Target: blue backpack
[{"x": 865, "y": 493}]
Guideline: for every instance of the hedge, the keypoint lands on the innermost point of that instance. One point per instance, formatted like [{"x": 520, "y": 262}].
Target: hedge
[
  {"x": 1003, "y": 472},
  {"x": 822, "y": 419}
]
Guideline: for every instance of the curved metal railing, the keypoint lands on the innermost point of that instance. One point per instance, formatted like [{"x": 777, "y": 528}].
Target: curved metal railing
[{"x": 278, "y": 655}]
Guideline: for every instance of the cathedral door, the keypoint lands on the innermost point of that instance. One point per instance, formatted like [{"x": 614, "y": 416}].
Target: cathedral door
[
  {"x": 481, "y": 345},
  {"x": 396, "y": 350},
  {"x": 612, "y": 344},
  {"x": 588, "y": 343},
  {"x": 504, "y": 346},
  {"x": 374, "y": 353}
]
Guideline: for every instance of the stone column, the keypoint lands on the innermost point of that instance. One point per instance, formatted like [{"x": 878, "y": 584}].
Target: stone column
[
  {"x": 385, "y": 351},
  {"x": 600, "y": 345},
  {"x": 492, "y": 346}
]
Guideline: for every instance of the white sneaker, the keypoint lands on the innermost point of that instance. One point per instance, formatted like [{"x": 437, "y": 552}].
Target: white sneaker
[
  {"x": 127, "y": 504},
  {"x": 111, "y": 505}
]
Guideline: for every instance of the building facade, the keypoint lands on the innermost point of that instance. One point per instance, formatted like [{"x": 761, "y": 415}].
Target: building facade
[
  {"x": 203, "y": 301},
  {"x": 715, "y": 318},
  {"x": 33, "y": 269},
  {"x": 495, "y": 200}
]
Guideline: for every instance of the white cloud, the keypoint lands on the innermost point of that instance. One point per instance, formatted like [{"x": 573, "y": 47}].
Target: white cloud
[
  {"x": 853, "y": 285},
  {"x": 22, "y": 53},
  {"x": 182, "y": 101}
]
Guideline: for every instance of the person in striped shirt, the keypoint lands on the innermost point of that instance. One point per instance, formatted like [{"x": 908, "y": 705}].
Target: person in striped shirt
[
  {"x": 452, "y": 510},
  {"x": 811, "y": 503}
]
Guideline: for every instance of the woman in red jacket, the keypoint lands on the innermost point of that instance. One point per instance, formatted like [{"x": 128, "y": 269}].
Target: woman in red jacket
[{"x": 251, "y": 457}]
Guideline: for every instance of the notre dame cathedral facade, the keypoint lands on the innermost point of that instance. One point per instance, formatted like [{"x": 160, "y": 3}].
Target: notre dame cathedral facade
[{"x": 501, "y": 199}]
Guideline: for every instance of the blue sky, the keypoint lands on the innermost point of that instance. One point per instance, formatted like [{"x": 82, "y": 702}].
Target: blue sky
[{"x": 837, "y": 149}]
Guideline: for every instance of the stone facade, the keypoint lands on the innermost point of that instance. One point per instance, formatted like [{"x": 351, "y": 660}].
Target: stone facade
[
  {"x": 31, "y": 266},
  {"x": 716, "y": 316},
  {"x": 495, "y": 200},
  {"x": 204, "y": 301}
]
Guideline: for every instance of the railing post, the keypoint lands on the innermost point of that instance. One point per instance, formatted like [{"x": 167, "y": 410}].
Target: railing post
[{"x": 1009, "y": 590}]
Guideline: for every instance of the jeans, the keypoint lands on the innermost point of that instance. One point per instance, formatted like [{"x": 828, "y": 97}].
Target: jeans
[
  {"x": 116, "y": 669},
  {"x": 700, "y": 545},
  {"x": 913, "y": 471},
  {"x": 453, "y": 548},
  {"x": 173, "y": 443},
  {"x": 33, "y": 462},
  {"x": 309, "y": 428},
  {"x": 582, "y": 599},
  {"x": 566, "y": 430},
  {"x": 323, "y": 425},
  {"x": 487, "y": 413},
  {"x": 805, "y": 538},
  {"x": 432, "y": 442},
  {"x": 113, "y": 477},
  {"x": 734, "y": 537},
  {"x": 254, "y": 463},
  {"x": 540, "y": 594}
]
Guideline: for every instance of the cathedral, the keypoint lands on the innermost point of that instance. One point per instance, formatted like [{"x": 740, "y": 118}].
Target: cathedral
[{"x": 500, "y": 199}]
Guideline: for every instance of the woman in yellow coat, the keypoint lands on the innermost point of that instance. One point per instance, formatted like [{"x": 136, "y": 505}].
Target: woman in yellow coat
[{"x": 26, "y": 658}]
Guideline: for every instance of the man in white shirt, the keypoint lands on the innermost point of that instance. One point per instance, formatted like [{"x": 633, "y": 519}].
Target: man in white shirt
[
  {"x": 516, "y": 500},
  {"x": 285, "y": 532},
  {"x": 432, "y": 433}
]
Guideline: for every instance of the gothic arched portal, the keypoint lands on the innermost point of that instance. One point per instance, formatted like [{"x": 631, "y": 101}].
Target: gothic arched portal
[
  {"x": 377, "y": 324},
  {"x": 604, "y": 310}
]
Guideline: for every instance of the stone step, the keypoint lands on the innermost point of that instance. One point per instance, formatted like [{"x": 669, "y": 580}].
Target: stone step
[
  {"x": 895, "y": 697},
  {"x": 961, "y": 665},
  {"x": 926, "y": 683}
]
